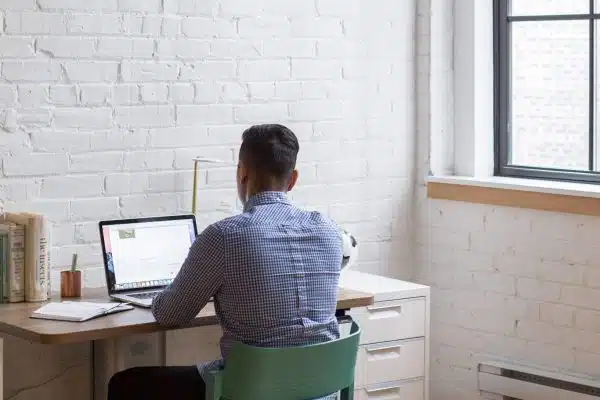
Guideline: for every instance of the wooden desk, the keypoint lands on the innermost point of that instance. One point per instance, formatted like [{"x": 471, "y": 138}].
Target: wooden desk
[{"x": 107, "y": 334}]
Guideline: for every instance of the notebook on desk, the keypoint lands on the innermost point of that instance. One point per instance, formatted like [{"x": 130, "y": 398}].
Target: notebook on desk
[{"x": 78, "y": 311}]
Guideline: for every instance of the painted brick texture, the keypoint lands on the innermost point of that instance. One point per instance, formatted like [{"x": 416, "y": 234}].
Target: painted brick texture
[
  {"x": 513, "y": 284},
  {"x": 105, "y": 102}
]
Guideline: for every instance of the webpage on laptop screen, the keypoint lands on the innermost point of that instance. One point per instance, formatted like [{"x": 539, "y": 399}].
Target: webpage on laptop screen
[{"x": 147, "y": 254}]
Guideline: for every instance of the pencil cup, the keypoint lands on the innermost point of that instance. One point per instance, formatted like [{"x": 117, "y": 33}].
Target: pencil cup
[{"x": 70, "y": 284}]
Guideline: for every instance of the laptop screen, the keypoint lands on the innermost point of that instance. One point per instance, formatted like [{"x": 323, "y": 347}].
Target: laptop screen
[{"x": 145, "y": 253}]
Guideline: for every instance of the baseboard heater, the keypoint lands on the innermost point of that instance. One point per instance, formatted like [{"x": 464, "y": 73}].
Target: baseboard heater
[{"x": 518, "y": 382}]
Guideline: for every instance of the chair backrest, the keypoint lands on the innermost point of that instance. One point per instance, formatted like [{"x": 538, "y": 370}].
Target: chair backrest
[{"x": 292, "y": 373}]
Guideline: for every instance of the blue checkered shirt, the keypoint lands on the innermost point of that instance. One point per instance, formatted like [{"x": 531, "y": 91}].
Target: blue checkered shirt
[{"x": 273, "y": 271}]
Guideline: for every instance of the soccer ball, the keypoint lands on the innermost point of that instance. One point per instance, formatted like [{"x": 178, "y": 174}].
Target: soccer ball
[{"x": 349, "y": 249}]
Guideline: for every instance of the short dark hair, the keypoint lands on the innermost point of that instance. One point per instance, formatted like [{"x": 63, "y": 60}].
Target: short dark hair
[{"x": 271, "y": 150}]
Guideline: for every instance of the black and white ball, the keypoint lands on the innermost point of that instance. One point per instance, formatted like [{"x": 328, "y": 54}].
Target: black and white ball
[{"x": 349, "y": 249}]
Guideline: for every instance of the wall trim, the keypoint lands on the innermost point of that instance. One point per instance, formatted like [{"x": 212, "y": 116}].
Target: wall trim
[{"x": 518, "y": 198}]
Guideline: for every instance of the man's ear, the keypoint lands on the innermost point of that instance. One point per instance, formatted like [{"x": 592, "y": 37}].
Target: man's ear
[
  {"x": 292, "y": 180},
  {"x": 242, "y": 174}
]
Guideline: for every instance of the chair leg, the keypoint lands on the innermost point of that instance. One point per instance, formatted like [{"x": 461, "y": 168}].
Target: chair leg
[
  {"x": 214, "y": 386},
  {"x": 347, "y": 393}
]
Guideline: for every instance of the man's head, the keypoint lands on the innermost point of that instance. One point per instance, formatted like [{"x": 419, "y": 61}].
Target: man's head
[{"x": 267, "y": 160}]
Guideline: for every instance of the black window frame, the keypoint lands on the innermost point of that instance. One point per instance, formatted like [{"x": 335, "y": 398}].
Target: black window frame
[{"x": 502, "y": 98}]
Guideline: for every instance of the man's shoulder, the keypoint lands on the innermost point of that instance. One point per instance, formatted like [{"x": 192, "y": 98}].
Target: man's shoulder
[
  {"x": 230, "y": 223},
  {"x": 320, "y": 219},
  {"x": 297, "y": 216}
]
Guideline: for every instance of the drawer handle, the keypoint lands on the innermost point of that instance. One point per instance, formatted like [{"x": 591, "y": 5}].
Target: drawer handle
[
  {"x": 386, "y": 307},
  {"x": 383, "y": 389},
  {"x": 384, "y": 348}
]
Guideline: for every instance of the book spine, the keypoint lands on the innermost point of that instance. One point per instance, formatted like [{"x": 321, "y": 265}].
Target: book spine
[
  {"x": 16, "y": 266},
  {"x": 36, "y": 259},
  {"x": 3, "y": 264},
  {"x": 49, "y": 261}
]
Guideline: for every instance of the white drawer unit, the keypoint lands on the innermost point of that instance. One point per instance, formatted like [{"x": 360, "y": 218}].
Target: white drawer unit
[
  {"x": 393, "y": 358},
  {"x": 390, "y": 361},
  {"x": 391, "y": 320},
  {"x": 411, "y": 390}
]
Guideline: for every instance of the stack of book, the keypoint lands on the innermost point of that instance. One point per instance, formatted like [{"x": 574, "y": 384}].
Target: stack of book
[{"x": 24, "y": 257}]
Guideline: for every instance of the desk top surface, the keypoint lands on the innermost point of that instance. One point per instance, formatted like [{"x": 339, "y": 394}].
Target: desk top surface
[{"x": 15, "y": 320}]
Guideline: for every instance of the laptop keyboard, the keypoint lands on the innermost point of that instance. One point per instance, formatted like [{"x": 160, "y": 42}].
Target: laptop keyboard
[{"x": 148, "y": 295}]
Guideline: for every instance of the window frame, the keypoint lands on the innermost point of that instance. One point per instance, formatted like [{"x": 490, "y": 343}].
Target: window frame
[{"x": 502, "y": 100}]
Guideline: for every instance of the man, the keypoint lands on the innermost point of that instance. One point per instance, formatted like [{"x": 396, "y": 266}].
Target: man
[{"x": 273, "y": 271}]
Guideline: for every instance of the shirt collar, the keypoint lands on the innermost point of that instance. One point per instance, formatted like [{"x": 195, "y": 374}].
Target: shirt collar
[{"x": 263, "y": 198}]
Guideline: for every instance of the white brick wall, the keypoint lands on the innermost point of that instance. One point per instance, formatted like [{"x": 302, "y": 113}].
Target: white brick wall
[
  {"x": 523, "y": 280},
  {"x": 506, "y": 283},
  {"x": 105, "y": 102}
]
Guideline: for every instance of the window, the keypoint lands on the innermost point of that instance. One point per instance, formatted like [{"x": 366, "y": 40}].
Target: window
[{"x": 547, "y": 91}]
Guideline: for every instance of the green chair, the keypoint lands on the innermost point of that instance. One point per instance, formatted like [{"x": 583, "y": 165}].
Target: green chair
[{"x": 291, "y": 373}]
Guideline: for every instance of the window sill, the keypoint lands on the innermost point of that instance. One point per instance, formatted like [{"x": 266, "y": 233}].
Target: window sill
[{"x": 564, "y": 197}]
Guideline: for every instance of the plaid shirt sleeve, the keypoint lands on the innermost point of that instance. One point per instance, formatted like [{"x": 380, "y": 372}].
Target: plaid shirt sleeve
[{"x": 199, "y": 279}]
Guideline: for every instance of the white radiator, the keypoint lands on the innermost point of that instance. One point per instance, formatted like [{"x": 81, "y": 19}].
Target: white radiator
[{"x": 531, "y": 383}]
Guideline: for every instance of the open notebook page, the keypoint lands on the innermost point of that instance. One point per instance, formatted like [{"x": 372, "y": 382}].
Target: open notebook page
[{"x": 78, "y": 310}]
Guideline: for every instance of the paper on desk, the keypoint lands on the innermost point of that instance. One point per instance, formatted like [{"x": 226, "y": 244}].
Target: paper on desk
[{"x": 78, "y": 310}]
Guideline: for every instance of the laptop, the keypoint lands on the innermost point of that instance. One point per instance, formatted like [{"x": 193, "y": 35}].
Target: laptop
[{"x": 142, "y": 256}]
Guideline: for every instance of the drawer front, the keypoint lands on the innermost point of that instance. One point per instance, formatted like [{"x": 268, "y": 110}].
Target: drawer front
[
  {"x": 390, "y": 362},
  {"x": 386, "y": 321},
  {"x": 413, "y": 390}
]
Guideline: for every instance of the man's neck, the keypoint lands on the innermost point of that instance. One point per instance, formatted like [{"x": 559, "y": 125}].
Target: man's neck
[
  {"x": 254, "y": 192},
  {"x": 265, "y": 197}
]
